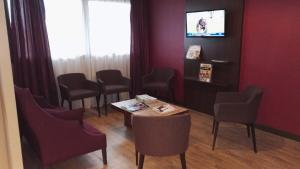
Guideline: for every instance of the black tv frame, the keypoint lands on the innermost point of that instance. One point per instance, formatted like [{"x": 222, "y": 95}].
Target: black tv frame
[{"x": 225, "y": 21}]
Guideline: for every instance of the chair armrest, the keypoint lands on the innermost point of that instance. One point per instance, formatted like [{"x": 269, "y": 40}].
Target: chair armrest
[
  {"x": 234, "y": 112},
  {"x": 91, "y": 85},
  {"x": 66, "y": 135},
  {"x": 43, "y": 102},
  {"x": 147, "y": 78},
  {"x": 170, "y": 78},
  {"x": 169, "y": 81},
  {"x": 125, "y": 81},
  {"x": 229, "y": 97},
  {"x": 101, "y": 82},
  {"x": 76, "y": 114},
  {"x": 64, "y": 91}
]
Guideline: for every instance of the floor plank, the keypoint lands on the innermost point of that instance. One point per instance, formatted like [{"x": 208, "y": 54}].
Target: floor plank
[{"x": 233, "y": 148}]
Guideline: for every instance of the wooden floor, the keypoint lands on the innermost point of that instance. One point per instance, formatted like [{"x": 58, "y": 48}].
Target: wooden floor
[{"x": 233, "y": 148}]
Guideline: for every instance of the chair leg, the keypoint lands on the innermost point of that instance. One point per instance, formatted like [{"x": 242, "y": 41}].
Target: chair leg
[
  {"x": 183, "y": 161},
  {"x": 105, "y": 104},
  {"x": 98, "y": 107},
  {"x": 248, "y": 130},
  {"x": 253, "y": 138},
  {"x": 172, "y": 96},
  {"x": 141, "y": 161},
  {"x": 82, "y": 101},
  {"x": 62, "y": 102},
  {"x": 118, "y": 96},
  {"x": 215, "y": 134},
  {"x": 136, "y": 157},
  {"x": 104, "y": 156},
  {"x": 70, "y": 104},
  {"x": 213, "y": 127}
]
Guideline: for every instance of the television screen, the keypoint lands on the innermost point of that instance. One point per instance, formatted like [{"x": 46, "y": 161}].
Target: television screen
[{"x": 205, "y": 24}]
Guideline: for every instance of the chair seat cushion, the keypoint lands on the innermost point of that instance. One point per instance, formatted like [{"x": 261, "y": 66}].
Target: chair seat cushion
[
  {"x": 82, "y": 93},
  {"x": 156, "y": 86},
  {"x": 115, "y": 88}
]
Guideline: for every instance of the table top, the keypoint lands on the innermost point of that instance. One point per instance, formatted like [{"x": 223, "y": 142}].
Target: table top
[{"x": 149, "y": 111}]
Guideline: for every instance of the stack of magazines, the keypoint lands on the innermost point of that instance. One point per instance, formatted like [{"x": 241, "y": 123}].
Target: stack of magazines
[
  {"x": 135, "y": 107},
  {"x": 144, "y": 98}
]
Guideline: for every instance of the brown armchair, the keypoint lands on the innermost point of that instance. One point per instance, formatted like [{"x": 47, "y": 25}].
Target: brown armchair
[
  {"x": 75, "y": 86},
  {"x": 238, "y": 107},
  {"x": 112, "y": 81},
  {"x": 160, "y": 80},
  {"x": 161, "y": 136}
]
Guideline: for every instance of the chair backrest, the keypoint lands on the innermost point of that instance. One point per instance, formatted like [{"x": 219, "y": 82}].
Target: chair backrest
[
  {"x": 109, "y": 76},
  {"x": 254, "y": 95},
  {"x": 162, "y": 74},
  {"x": 72, "y": 80},
  {"x": 162, "y": 136},
  {"x": 36, "y": 120},
  {"x": 29, "y": 108}
]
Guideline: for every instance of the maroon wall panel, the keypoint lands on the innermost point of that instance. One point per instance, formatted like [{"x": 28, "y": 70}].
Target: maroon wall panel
[
  {"x": 271, "y": 59},
  {"x": 167, "y": 38},
  {"x": 270, "y": 54}
]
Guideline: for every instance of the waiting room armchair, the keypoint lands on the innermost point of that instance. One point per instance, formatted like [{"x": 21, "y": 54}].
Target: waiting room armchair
[
  {"x": 112, "y": 81},
  {"x": 161, "y": 136},
  {"x": 160, "y": 80},
  {"x": 57, "y": 135},
  {"x": 75, "y": 86},
  {"x": 238, "y": 107}
]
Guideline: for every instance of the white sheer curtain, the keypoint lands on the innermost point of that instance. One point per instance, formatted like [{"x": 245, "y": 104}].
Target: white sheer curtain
[{"x": 89, "y": 35}]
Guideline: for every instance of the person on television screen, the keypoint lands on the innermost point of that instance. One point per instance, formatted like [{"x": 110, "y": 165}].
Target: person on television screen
[{"x": 202, "y": 26}]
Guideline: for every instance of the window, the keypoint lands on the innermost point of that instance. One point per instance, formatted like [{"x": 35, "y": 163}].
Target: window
[
  {"x": 8, "y": 3},
  {"x": 65, "y": 26},
  {"x": 78, "y": 27},
  {"x": 109, "y": 27}
]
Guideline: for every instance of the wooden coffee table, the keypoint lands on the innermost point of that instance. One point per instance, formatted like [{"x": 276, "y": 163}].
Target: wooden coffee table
[{"x": 145, "y": 112}]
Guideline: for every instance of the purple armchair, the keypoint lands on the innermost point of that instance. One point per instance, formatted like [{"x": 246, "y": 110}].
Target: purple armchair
[
  {"x": 238, "y": 107},
  {"x": 112, "y": 81},
  {"x": 160, "y": 81},
  {"x": 54, "y": 133},
  {"x": 161, "y": 136},
  {"x": 75, "y": 86}
]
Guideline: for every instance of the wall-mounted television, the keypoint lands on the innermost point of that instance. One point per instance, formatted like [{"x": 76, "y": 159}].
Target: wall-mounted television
[{"x": 205, "y": 24}]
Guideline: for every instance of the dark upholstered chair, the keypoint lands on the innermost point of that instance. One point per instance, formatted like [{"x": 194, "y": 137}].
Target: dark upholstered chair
[
  {"x": 75, "y": 86},
  {"x": 160, "y": 80},
  {"x": 239, "y": 108},
  {"x": 161, "y": 136},
  {"x": 112, "y": 81},
  {"x": 54, "y": 133}
]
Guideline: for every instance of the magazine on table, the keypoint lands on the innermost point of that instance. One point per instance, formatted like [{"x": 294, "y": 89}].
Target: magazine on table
[
  {"x": 145, "y": 98},
  {"x": 135, "y": 107},
  {"x": 165, "y": 108}
]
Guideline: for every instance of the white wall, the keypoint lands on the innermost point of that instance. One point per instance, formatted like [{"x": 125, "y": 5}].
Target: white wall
[{"x": 10, "y": 147}]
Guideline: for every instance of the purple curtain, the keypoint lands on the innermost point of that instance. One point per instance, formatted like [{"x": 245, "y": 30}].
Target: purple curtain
[
  {"x": 30, "y": 52},
  {"x": 139, "y": 52}
]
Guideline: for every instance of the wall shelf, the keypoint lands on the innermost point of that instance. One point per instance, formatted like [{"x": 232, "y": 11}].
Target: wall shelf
[
  {"x": 223, "y": 53},
  {"x": 217, "y": 84}
]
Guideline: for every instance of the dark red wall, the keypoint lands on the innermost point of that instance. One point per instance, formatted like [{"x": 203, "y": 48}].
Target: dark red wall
[
  {"x": 270, "y": 54},
  {"x": 167, "y": 37},
  {"x": 271, "y": 59}
]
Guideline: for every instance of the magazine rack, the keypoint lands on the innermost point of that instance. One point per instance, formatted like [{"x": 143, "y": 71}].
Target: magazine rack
[{"x": 222, "y": 53}]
